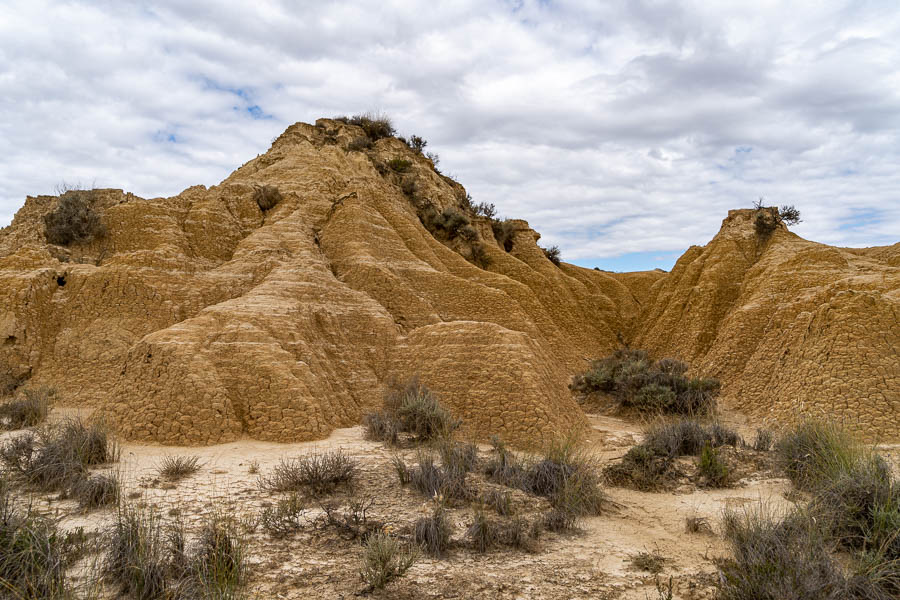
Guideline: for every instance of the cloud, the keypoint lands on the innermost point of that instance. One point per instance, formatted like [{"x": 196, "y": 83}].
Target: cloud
[{"x": 616, "y": 129}]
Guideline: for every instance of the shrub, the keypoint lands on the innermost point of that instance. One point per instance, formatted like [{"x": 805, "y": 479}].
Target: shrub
[
  {"x": 637, "y": 382},
  {"x": 431, "y": 480},
  {"x": 135, "y": 557},
  {"x": 504, "y": 232},
  {"x": 415, "y": 143},
  {"x": 483, "y": 533},
  {"x": 266, "y": 196},
  {"x": 399, "y": 165},
  {"x": 479, "y": 256},
  {"x": 382, "y": 427},
  {"x": 777, "y": 558},
  {"x": 353, "y": 523},
  {"x": 218, "y": 565},
  {"x": 57, "y": 457},
  {"x": 712, "y": 468},
  {"x": 374, "y": 126},
  {"x": 457, "y": 457},
  {"x": 815, "y": 452},
  {"x": 433, "y": 532},
  {"x": 417, "y": 411},
  {"x": 385, "y": 560},
  {"x": 642, "y": 469},
  {"x": 28, "y": 411},
  {"x": 789, "y": 215},
  {"x": 319, "y": 473},
  {"x": 95, "y": 491},
  {"x": 402, "y": 470},
  {"x": 409, "y": 186},
  {"x": 449, "y": 223},
  {"x": 284, "y": 518},
  {"x": 500, "y": 501},
  {"x": 553, "y": 254},
  {"x": 174, "y": 468},
  {"x": 359, "y": 144},
  {"x": 697, "y": 525},
  {"x": 506, "y": 469},
  {"x": 485, "y": 209},
  {"x": 33, "y": 555},
  {"x": 73, "y": 220}
]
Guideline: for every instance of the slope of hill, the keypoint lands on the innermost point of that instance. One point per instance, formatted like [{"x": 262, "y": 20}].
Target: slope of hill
[{"x": 210, "y": 316}]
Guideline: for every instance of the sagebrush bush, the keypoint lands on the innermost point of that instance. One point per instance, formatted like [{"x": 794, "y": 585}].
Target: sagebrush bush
[
  {"x": 553, "y": 254},
  {"x": 446, "y": 224},
  {"x": 415, "y": 143},
  {"x": 359, "y": 144},
  {"x": 652, "y": 562},
  {"x": 284, "y": 518},
  {"x": 174, "y": 468},
  {"x": 712, "y": 468},
  {"x": 384, "y": 560},
  {"x": 410, "y": 408},
  {"x": 504, "y": 233},
  {"x": 353, "y": 523},
  {"x": 266, "y": 196},
  {"x": 399, "y": 165},
  {"x": 30, "y": 410},
  {"x": 74, "y": 219},
  {"x": 478, "y": 255},
  {"x": 639, "y": 383},
  {"x": 319, "y": 473}
]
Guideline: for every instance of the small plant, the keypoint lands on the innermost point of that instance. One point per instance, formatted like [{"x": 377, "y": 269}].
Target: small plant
[
  {"x": 433, "y": 532},
  {"x": 399, "y": 165},
  {"x": 553, "y": 254},
  {"x": 409, "y": 186},
  {"x": 285, "y": 518},
  {"x": 95, "y": 491},
  {"x": 218, "y": 565},
  {"x": 478, "y": 255},
  {"x": 447, "y": 224},
  {"x": 652, "y": 562},
  {"x": 353, "y": 523},
  {"x": 504, "y": 232},
  {"x": 135, "y": 557},
  {"x": 28, "y": 411},
  {"x": 500, "y": 501},
  {"x": 697, "y": 524},
  {"x": 359, "y": 144},
  {"x": 763, "y": 440},
  {"x": 415, "y": 143},
  {"x": 175, "y": 468},
  {"x": 321, "y": 473},
  {"x": 417, "y": 411},
  {"x": 712, "y": 468},
  {"x": 375, "y": 126},
  {"x": 457, "y": 457},
  {"x": 385, "y": 560},
  {"x": 402, "y": 470},
  {"x": 485, "y": 209},
  {"x": 74, "y": 219},
  {"x": 815, "y": 452},
  {"x": 506, "y": 468},
  {"x": 483, "y": 533},
  {"x": 381, "y": 426},
  {"x": 431, "y": 480},
  {"x": 253, "y": 469}
]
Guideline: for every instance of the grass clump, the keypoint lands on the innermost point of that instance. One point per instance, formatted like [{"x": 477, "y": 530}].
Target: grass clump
[
  {"x": 320, "y": 473},
  {"x": 413, "y": 409},
  {"x": 359, "y": 144},
  {"x": 95, "y": 491},
  {"x": 816, "y": 452},
  {"x": 34, "y": 555},
  {"x": 639, "y": 383},
  {"x": 384, "y": 560},
  {"x": 175, "y": 468},
  {"x": 375, "y": 126},
  {"x": 712, "y": 468},
  {"x": 432, "y": 481},
  {"x": 652, "y": 562},
  {"x": 266, "y": 196},
  {"x": 30, "y": 410},
  {"x": 218, "y": 567},
  {"x": 74, "y": 219},
  {"x": 136, "y": 557},
  {"x": 763, "y": 441},
  {"x": 353, "y": 523},
  {"x": 433, "y": 532}
]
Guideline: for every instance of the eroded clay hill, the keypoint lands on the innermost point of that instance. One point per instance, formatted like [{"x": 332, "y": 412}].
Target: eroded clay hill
[
  {"x": 202, "y": 318},
  {"x": 788, "y": 325}
]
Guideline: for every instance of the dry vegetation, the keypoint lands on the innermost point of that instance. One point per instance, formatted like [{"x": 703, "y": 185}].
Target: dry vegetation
[{"x": 419, "y": 502}]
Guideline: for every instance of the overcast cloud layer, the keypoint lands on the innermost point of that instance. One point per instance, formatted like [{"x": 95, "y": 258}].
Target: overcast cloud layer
[{"x": 622, "y": 131}]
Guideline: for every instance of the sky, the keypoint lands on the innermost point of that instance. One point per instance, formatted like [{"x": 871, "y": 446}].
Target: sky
[{"x": 622, "y": 131}]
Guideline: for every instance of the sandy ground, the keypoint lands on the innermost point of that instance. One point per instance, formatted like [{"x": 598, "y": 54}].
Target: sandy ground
[{"x": 317, "y": 563}]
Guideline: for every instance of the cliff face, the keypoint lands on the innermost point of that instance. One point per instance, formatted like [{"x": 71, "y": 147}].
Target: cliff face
[
  {"x": 789, "y": 326},
  {"x": 202, "y": 318}
]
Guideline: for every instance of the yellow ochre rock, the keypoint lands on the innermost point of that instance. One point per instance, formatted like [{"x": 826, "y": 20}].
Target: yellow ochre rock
[{"x": 202, "y": 318}]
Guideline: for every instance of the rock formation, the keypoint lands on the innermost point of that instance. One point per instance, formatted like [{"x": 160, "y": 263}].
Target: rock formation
[{"x": 211, "y": 315}]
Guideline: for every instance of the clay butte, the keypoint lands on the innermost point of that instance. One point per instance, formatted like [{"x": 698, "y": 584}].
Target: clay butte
[{"x": 214, "y": 315}]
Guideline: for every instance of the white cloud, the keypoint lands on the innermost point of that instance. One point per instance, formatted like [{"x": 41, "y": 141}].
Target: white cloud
[{"x": 616, "y": 127}]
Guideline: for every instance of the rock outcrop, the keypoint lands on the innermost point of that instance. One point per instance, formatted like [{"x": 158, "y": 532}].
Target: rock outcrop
[
  {"x": 203, "y": 318},
  {"x": 791, "y": 327}
]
